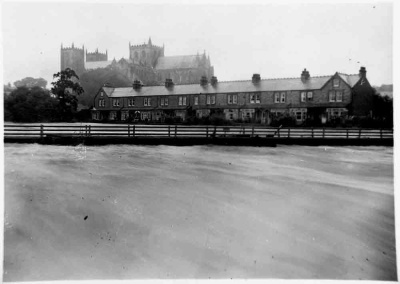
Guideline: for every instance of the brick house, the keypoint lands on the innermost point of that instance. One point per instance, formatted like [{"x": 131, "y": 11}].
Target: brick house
[{"x": 319, "y": 98}]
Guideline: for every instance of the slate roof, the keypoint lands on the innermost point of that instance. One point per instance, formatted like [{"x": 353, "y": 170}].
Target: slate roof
[
  {"x": 265, "y": 85},
  {"x": 350, "y": 79},
  {"x": 177, "y": 62},
  {"x": 96, "y": 64}
]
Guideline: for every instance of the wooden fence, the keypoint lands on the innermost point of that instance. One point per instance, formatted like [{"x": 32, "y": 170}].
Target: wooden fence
[{"x": 175, "y": 131}]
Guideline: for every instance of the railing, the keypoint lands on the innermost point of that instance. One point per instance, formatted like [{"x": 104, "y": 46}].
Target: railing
[{"x": 175, "y": 131}]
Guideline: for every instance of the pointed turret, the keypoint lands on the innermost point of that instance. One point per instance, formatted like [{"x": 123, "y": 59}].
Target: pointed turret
[{"x": 150, "y": 41}]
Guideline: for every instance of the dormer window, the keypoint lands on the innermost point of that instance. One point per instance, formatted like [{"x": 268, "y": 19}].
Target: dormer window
[{"x": 335, "y": 83}]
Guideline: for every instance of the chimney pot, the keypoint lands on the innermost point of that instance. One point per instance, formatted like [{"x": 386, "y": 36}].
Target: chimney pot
[
  {"x": 256, "y": 78},
  {"x": 214, "y": 80},
  {"x": 363, "y": 72},
  {"x": 203, "y": 81},
  {"x": 137, "y": 84},
  {"x": 169, "y": 83},
  {"x": 305, "y": 75}
]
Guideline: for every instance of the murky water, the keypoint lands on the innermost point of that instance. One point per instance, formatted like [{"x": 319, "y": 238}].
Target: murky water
[{"x": 122, "y": 212}]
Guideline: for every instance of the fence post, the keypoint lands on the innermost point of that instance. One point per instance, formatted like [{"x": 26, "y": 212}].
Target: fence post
[
  {"x": 289, "y": 132},
  {"x": 323, "y": 132},
  {"x": 359, "y": 133},
  {"x": 85, "y": 130},
  {"x": 252, "y": 131},
  {"x": 381, "y": 134},
  {"x": 312, "y": 132},
  {"x": 41, "y": 131},
  {"x": 133, "y": 131},
  {"x": 279, "y": 133},
  {"x": 176, "y": 128},
  {"x": 207, "y": 131},
  {"x": 169, "y": 131},
  {"x": 244, "y": 130},
  {"x": 129, "y": 131},
  {"x": 347, "y": 133},
  {"x": 90, "y": 130},
  {"x": 215, "y": 132}
]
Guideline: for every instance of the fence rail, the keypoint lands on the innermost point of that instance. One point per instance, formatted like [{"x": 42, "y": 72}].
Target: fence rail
[{"x": 175, "y": 131}]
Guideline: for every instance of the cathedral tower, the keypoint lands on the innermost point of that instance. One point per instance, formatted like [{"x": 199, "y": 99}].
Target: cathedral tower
[
  {"x": 74, "y": 58},
  {"x": 145, "y": 54},
  {"x": 96, "y": 56}
]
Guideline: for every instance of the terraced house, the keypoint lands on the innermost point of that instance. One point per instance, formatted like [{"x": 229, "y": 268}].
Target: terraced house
[{"x": 258, "y": 100}]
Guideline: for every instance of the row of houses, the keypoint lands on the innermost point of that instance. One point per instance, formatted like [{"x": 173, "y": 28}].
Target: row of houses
[{"x": 320, "y": 98}]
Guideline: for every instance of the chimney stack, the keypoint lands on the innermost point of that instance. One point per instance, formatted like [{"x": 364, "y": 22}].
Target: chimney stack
[
  {"x": 214, "y": 80},
  {"x": 137, "y": 84},
  {"x": 305, "y": 75},
  {"x": 363, "y": 72},
  {"x": 256, "y": 78},
  {"x": 169, "y": 83},
  {"x": 203, "y": 81}
]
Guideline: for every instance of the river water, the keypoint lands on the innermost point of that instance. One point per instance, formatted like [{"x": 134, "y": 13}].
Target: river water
[{"x": 134, "y": 212}]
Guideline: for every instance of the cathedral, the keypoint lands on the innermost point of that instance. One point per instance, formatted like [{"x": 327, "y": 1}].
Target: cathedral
[{"x": 146, "y": 62}]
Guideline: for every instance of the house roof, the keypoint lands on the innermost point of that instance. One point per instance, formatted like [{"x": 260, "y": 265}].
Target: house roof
[
  {"x": 265, "y": 85},
  {"x": 177, "y": 62},
  {"x": 97, "y": 64},
  {"x": 350, "y": 79}
]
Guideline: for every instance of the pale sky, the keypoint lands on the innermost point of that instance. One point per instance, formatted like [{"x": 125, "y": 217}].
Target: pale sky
[{"x": 275, "y": 40}]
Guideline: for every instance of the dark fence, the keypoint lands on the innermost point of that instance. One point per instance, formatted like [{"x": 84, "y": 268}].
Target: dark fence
[{"x": 175, "y": 131}]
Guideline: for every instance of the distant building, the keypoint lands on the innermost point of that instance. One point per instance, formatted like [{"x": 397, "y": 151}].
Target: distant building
[
  {"x": 319, "y": 98},
  {"x": 146, "y": 62}
]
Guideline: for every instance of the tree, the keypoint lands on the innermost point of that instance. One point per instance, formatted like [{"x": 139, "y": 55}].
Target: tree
[
  {"x": 30, "y": 82},
  {"x": 67, "y": 89},
  {"x": 30, "y": 105}
]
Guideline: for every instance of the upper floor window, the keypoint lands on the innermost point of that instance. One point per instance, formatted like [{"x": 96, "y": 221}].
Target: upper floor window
[
  {"x": 116, "y": 102},
  {"x": 131, "y": 102},
  {"x": 196, "y": 100},
  {"x": 310, "y": 96},
  {"x": 232, "y": 99},
  {"x": 164, "y": 101},
  {"x": 102, "y": 103},
  {"x": 211, "y": 99},
  {"x": 277, "y": 98},
  {"x": 335, "y": 96},
  {"x": 283, "y": 97},
  {"x": 303, "y": 96},
  {"x": 147, "y": 102},
  {"x": 336, "y": 83},
  {"x": 254, "y": 98},
  {"x": 101, "y": 94},
  {"x": 182, "y": 100}
]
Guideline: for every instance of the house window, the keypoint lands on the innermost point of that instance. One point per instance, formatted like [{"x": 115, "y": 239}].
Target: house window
[
  {"x": 115, "y": 102},
  {"x": 113, "y": 115},
  {"x": 331, "y": 96},
  {"x": 131, "y": 102},
  {"x": 277, "y": 98},
  {"x": 162, "y": 101},
  {"x": 147, "y": 101},
  {"x": 252, "y": 98},
  {"x": 283, "y": 97},
  {"x": 303, "y": 96},
  {"x": 339, "y": 96},
  {"x": 234, "y": 99},
  {"x": 309, "y": 96},
  {"x": 166, "y": 101},
  {"x": 211, "y": 99},
  {"x": 196, "y": 100},
  {"x": 335, "y": 83},
  {"x": 124, "y": 115},
  {"x": 182, "y": 100},
  {"x": 101, "y": 94},
  {"x": 258, "y": 99},
  {"x": 102, "y": 103}
]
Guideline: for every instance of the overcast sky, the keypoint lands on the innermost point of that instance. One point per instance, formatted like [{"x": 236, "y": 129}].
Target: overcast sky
[{"x": 273, "y": 40}]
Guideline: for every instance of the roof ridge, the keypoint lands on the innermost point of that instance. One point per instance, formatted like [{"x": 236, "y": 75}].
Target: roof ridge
[{"x": 177, "y": 56}]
